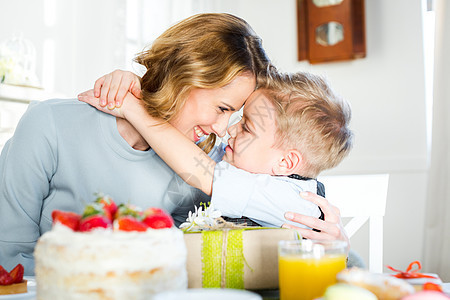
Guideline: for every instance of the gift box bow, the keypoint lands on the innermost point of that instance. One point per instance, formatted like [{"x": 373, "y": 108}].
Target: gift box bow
[{"x": 410, "y": 272}]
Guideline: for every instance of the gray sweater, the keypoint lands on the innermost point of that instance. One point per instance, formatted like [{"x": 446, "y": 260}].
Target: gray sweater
[{"x": 64, "y": 151}]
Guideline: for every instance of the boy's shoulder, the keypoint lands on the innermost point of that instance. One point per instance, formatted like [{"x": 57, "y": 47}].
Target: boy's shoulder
[{"x": 305, "y": 183}]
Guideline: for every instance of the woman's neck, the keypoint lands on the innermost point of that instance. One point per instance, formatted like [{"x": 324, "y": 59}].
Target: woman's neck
[{"x": 131, "y": 135}]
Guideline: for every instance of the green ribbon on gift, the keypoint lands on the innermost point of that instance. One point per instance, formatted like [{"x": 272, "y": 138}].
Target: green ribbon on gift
[{"x": 223, "y": 259}]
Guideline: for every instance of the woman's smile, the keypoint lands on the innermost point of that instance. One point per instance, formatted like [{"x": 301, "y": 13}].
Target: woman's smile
[{"x": 198, "y": 133}]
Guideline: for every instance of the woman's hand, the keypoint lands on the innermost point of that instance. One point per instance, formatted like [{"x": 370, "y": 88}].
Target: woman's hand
[
  {"x": 330, "y": 229},
  {"x": 113, "y": 87}
]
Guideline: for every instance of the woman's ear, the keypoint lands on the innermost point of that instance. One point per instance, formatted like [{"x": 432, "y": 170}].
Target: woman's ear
[{"x": 289, "y": 163}]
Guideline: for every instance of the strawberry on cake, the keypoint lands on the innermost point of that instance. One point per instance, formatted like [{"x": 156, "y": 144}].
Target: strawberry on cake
[
  {"x": 110, "y": 252},
  {"x": 12, "y": 282}
]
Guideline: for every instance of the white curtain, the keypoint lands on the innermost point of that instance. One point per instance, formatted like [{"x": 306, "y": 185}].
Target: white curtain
[{"x": 437, "y": 227}]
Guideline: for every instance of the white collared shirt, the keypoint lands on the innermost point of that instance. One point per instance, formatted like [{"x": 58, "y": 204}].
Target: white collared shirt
[{"x": 261, "y": 197}]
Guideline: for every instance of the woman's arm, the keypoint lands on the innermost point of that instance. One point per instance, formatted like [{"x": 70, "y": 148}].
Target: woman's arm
[
  {"x": 330, "y": 229},
  {"x": 190, "y": 162},
  {"x": 27, "y": 164}
]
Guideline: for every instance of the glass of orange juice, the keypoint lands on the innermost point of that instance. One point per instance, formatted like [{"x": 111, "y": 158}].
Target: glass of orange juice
[{"x": 308, "y": 267}]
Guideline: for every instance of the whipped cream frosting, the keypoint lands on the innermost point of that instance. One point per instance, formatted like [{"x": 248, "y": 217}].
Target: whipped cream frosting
[
  {"x": 102, "y": 250},
  {"x": 107, "y": 264}
]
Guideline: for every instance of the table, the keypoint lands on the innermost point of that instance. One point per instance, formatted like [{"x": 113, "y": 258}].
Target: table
[{"x": 265, "y": 294}]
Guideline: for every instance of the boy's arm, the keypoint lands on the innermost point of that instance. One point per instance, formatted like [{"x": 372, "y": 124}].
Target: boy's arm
[
  {"x": 260, "y": 197},
  {"x": 190, "y": 162},
  {"x": 113, "y": 87}
]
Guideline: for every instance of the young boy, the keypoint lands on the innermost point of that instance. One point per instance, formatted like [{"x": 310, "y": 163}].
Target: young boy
[{"x": 293, "y": 127}]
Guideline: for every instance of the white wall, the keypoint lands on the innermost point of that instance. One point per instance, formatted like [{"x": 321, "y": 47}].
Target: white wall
[
  {"x": 386, "y": 89},
  {"x": 76, "y": 40}
]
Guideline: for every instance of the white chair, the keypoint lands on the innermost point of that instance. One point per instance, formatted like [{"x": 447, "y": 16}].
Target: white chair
[{"x": 361, "y": 197}]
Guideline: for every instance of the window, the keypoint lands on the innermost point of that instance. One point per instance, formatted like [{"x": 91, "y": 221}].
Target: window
[
  {"x": 428, "y": 41},
  {"x": 147, "y": 19}
]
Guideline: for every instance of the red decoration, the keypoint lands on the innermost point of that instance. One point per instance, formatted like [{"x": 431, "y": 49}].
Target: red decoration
[{"x": 411, "y": 273}]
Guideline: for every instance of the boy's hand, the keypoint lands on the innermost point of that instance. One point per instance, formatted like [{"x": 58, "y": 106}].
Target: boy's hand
[
  {"x": 113, "y": 87},
  {"x": 330, "y": 229},
  {"x": 131, "y": 105},
  {"x": 90, "y": 99}
]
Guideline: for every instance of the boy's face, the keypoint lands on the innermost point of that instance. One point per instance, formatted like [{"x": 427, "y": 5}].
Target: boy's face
[{"x": 251, "y": 145}]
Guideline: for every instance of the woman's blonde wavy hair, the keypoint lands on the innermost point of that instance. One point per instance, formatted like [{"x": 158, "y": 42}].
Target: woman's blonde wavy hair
[{"x": 203, "y": 51}]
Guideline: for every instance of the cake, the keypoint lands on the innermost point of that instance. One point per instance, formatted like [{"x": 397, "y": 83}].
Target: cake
[
  {"x": 427, "y": 295},
  {"x": 12, "y": 282},
  {"x": 14, "y": 288},
  {"x": 124, "y": 259},
  {"x": 384, "y": 286}
]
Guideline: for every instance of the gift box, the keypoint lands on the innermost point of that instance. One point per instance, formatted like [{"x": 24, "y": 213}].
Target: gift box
[
  {"x": 416, "y": 279},
  {"x": 418, "y": 283},
  {"x": 245, "y": 258}
]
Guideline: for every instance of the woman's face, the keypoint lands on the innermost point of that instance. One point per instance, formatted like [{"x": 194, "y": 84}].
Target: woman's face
[{"x": 208, "y": 111}]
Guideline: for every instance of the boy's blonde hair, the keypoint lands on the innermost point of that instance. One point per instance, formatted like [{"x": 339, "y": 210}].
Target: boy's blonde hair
[
  {"x": 311, "y": 118},
  {"x": 203, "y": 51}
]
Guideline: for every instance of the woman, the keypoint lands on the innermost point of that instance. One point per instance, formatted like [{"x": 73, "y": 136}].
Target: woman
[
  {"x": 182, "y": 86},
  {"x": 64, "y": 151}
]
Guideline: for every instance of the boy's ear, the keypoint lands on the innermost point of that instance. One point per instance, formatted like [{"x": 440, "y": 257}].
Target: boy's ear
[{"x": 289, "y": 163}]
